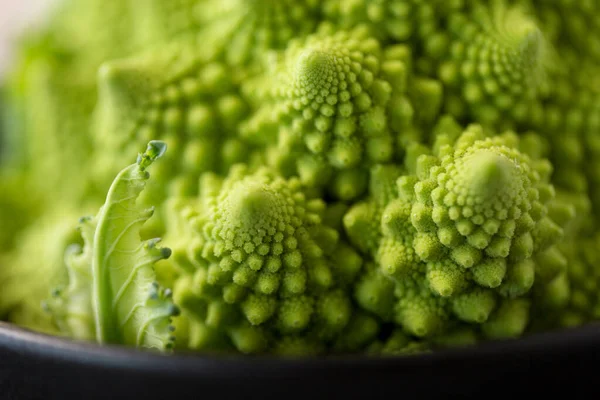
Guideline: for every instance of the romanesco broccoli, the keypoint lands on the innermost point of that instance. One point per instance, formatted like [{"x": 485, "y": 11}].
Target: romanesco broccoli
[
  {"x": 258, "y": 264},
  {"x": 388, "y": 177}
]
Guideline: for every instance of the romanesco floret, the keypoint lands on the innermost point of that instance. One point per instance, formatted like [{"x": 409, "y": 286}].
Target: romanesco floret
[
  {"x": 470, "y": 227},
  {"x": 492, "y": 60},
  {"x": 337, "y": 105},
  {"x": 481, "y": 205},
  {"x": 260, "y": 265}
]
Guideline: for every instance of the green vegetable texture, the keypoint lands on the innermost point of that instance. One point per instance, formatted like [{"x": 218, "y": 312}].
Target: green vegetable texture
[
  {"x": 259, "y": 264},
  {"x": 382, "y": 177}
]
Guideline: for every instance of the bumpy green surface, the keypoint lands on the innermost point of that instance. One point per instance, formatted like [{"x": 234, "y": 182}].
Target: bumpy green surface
[
  {"x": 493, "y": 61},
  {"x": 337, "y": 104},
  {"x": 468, "y": 233},
  {"x": 259, "y": 266},
  {"x": 482, "y": 207},
  {"x": 380, "y": 176}
]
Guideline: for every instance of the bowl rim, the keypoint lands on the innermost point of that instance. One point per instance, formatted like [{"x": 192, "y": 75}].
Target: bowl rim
[{"x": 27, "y": 343}]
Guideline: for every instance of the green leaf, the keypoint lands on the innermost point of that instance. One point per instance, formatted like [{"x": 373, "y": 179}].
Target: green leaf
[{"x": 112, "y": 293}]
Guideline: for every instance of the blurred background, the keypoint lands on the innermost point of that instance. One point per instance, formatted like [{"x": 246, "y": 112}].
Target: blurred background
[{"x": 16, "y": 16}]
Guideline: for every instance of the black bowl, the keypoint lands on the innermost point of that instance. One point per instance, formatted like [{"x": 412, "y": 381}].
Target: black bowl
[{"x": 36, "y": 366}]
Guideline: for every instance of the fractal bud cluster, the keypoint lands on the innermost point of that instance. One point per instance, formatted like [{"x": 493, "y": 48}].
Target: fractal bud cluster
[{"x": 312, "y": 177}]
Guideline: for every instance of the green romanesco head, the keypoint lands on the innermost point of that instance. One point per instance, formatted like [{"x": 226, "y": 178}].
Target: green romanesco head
[
  {"x": 264, "y": 267},
  {"x": 480, "y": 204},
  {"x": 469, "y": 229},
  {"x": 492, "y": 60},
  {"x": 337, "y": 105}
]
